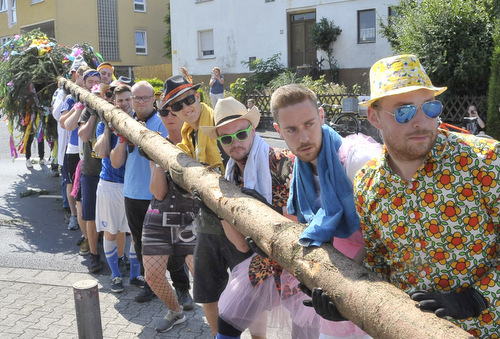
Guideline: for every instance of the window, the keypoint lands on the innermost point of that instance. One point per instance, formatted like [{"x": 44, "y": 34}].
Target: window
[
  {"x": 140, "y": 5},
  {"x": 36, "y": 1},
  {"x": 107, "y": 22},
  {"x": 206, "y": 43},
  {"x": 269, "y": 1},
  {"x": 3, "y": 5},
  {"x": 366, "y": 26},
  {"x": 198, "y": 1},
  {"x": 4, "y": 39},
  {"x": 141, "y": 42},
  {"x": 12, "y": 14}
]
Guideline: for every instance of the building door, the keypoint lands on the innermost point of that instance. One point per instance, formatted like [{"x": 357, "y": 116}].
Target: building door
[{"x": 301, "y": 50}]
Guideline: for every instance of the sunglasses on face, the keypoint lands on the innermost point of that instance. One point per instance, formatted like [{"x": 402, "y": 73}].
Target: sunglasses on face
[
  {"x": 189, "y": 100},
  {"x": 241, "y": 135},
  {"x": 164, "y": 112},
  {"x": 405, "y": 113},
  {"x": 109, "y": 94}
]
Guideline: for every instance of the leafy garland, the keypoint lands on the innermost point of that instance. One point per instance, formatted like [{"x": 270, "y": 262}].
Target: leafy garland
[{"x": 29, "y": 66}]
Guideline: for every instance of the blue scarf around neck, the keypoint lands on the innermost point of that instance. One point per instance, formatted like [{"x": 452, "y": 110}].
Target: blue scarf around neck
[{"x": 334, "y": 213}]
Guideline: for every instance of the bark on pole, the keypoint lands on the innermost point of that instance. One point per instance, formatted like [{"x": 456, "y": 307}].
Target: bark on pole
[{"x": 379, "y": 308}]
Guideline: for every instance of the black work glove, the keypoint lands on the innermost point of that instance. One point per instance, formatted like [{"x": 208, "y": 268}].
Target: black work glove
[
  {"x": 90, "y": 110},
  {"x": 254, "y": 194},
  {"x": 143, "y": 153},
  {"x": 461, "y": 305},
  {"x": 321, "y": 303},
  {"x": 201, "y": 204},
  {"x": 253, "y": 246}
]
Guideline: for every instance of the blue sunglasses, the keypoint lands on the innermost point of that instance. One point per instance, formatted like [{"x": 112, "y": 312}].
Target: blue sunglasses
[{"x": 405, "y": 113}]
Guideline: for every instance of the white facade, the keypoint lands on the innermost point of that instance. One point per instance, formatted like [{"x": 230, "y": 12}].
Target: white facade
[{"x": 242, "y": 29}]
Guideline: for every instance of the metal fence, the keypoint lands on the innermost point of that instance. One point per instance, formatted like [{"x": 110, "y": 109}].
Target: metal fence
[{"x": 454, "y": 107}]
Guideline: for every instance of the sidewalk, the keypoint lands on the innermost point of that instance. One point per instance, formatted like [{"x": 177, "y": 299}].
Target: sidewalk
[{"x": 40, "y": 304}]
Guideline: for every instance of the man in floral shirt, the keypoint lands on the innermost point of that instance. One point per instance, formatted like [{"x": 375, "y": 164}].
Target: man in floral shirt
[{"x": 429, "y": 207}]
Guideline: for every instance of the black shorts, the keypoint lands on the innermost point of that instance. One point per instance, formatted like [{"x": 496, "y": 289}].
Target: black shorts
[
  {"x": 72, "y": 161},
  {"x": 168, "y": 240},
  {"x": 213, "y": 255}
]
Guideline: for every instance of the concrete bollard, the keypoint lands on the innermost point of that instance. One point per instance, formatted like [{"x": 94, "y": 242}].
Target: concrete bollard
[{"x": 88, "y": 312}]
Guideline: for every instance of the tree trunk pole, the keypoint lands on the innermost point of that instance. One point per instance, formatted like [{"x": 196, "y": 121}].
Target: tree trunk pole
[{"x": 377, "y": 307}]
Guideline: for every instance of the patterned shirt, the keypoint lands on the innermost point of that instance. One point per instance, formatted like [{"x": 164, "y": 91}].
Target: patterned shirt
[{"x": 439, "y": 232}]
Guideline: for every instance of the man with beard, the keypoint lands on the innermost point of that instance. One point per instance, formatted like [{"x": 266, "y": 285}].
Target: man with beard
[{"x": 429, "y": 206}]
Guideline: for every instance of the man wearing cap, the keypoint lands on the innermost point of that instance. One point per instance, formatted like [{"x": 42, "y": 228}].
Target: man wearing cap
[
  {"x": 106, "y": 71},
  {"x": 136, "y": 183},
  {"x": 264, "y": 173},
  {"x": 429, "y": 205},
  {"x": 214, "y": 253}
]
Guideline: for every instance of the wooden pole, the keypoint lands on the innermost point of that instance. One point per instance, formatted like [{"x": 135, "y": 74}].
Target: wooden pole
[
  {"x": 88, "y": 312},
  {"x": 379, "y": 308}
]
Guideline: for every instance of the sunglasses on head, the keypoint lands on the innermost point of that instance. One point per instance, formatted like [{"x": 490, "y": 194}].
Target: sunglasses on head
[
  {"x": 109, "y": 94},
  {"x": 240, "y": 135},
  {"x": 189, "y": 100},
  {"x": 165, "y": 111},
  {"x": 405, "y": 113}
]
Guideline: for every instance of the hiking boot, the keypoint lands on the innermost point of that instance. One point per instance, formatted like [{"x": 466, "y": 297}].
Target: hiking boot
[
  {"x": 73, "y": 223},
  {"x": 172, "y": 318},
  {"x": 29, "y": 164},
  {"x": 84, "y": 247},
  {"x": 80, "y": 240},
  {"x": 95, "y": 263},
  {"x": 138, "y": 281},
  {"x": 146, "y": 294},
  {"x": 117, "y": 285},
  {"x": 185, "y": 300},
  {"x": 124, "y": 265}
]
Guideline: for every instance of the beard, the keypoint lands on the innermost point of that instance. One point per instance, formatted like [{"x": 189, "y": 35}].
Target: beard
[{"x": 403, "y": 148}]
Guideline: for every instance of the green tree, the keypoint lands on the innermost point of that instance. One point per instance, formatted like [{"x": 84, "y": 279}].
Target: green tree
[
  {"x": 167, "y": 40},
  {"x": 452, "y": 38},
  {"x": 493, "y": 116},
  {"x": 323, "y": 34}
]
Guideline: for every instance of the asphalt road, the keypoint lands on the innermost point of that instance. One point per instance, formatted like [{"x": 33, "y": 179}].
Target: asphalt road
[{"x": 33, "y": 232}]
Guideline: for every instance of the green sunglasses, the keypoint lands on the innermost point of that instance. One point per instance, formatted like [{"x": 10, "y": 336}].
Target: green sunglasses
[{"x": 240, "y": 135}]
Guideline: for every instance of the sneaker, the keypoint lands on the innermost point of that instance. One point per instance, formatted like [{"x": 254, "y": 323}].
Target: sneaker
[
  {"x": 172, "y": 318},
  {"x": 73, "y": 223},
  {"x": 117, "y": 285},
  {"x": 80, "y": 240},
  {"x": 124, "y": 265},
  {"x": 185, "y": 300},
  {"x": 138, "y": 281},
  {"x": 95, "y": 263},
  {"x": 29, "y": 164},
  {"x": 41, "y": 162},
  {"x": 84, "y": 247},
  {"x": 146, "y": 294}
]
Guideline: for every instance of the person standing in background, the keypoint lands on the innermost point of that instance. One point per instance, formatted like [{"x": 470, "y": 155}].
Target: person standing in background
[
  {"x": 472, "y": 120},
  {"x": 216, "y": 86}
]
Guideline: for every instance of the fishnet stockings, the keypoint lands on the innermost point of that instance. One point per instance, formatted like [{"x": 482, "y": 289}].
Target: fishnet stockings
[{"x": 155, "y": 267}]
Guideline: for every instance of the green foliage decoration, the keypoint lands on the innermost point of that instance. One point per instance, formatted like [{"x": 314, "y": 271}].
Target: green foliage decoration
[
  {"x": 264, "y": 70},
  {"x": 493, "y": 115},
  {"x": 452, "y": 38},
  {"x": 323, "y": 34},
  {"x": 29, "y": 66}
]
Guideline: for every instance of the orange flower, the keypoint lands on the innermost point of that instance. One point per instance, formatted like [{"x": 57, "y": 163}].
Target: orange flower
[
  {"x": 449, "y": 211},
  {"x": 443, "y": 283},
  {"x": 400, "y": 230},
  {"x": 397, "y": 202},
  {"x": 456, "y": 241},
  {"x": 439, "y": 256},
  {"x": 429, "y": 198},
  {"x": 487, "y": 282},
  {"x": 445, "y": 179},
  {"x": 463, "y": 161},
  {"x": 434, "y": 229},
  {"x": 383, "y": 192},
  {"x": 472, "y": 222},
  {"x": 461, "y": 266},
  {"x": 477, "y": 247},
  {"x": 385, "y": 218},
  {"x": 466, "y": 193}
]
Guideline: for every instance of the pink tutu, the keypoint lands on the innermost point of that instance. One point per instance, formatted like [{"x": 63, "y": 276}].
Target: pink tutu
[{"x": 241, "y": 303}]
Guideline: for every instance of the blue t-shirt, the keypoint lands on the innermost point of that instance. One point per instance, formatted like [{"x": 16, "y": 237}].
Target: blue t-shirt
[
  {"x": 217, "y": 87},
  {"x": 108, "y": 172},
  {"x": 137, "y": 171},
  {"x": 68, "y": 104}
]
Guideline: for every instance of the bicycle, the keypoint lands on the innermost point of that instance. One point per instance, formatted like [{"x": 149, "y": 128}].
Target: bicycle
[{"x": 344, "y": 123}]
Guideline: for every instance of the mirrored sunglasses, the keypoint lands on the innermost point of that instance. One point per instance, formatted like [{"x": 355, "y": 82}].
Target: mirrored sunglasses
[
  {"x": 241, "y": 135},
  {"x": 189, "y": 100},
  {"x": 405, "y": 113}
]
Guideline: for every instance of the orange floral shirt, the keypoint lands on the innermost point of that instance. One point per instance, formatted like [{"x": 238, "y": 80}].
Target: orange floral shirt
[{"x": 441, "y": 231}]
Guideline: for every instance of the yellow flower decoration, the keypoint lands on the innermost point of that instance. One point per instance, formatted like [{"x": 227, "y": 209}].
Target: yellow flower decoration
[
  {"x": 461, "y": 266},
  {"x": 428, "y": 198},
  {"x": 450, "y": 211},
  {"x": 445, "y": 179},
  {"x": 434, "y": 229},
  {"x": 439, "y": 256},
  {"x": 456, "y": 240},
  {"x": 473, "y": 221}
]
